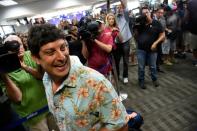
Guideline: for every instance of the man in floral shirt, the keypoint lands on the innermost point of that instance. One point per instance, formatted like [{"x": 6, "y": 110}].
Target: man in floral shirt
[{"x": 79, "y": 97}]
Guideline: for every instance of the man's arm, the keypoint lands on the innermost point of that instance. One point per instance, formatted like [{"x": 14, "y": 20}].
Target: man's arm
[
  {"x": 123, "y": 3},
  {"x": 13, "y": 92},
  {"x": 38, "y": 74},
  {"x": 160, "y": 39}
]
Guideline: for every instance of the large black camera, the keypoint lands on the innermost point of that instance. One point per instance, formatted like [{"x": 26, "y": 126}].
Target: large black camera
[
  {"x": 140, "y": 19},
  {"x": 9, "y": 56},
  {"x": 89, "y": 30}
]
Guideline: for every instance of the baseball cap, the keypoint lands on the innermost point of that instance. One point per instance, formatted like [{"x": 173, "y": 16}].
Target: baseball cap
[{"x": 13, "y": 38}]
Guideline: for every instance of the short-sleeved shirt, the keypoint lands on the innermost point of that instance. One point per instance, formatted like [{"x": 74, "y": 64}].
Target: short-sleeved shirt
[
  {"x": 33, "y": 94},
  {"x": 85, "y": 101},
  {"x": 162, "y": 21},
  {"x": 148, "y": 34},
  {"x": 98, "y": 58}
]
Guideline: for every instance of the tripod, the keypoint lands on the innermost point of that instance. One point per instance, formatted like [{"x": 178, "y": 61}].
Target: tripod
[{"x": 122, "y": 95}]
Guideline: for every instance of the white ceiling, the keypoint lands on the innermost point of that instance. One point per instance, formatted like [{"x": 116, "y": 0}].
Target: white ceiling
[
  {"x": 20, "y": 2},
  {"x": 25, "y": 1},
  {"x": 29, "y": 8},
  {"x": 32, "y": 7}
]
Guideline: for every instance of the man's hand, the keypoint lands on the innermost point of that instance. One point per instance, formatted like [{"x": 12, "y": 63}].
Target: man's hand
[
  {"x": 154, "y": 47},
  {"x": 160, "y": 39},
  {"x": 38, "y": 74}
]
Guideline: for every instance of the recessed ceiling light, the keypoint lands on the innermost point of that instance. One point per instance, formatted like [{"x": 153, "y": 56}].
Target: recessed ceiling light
[{"x": 7, "y": 2}]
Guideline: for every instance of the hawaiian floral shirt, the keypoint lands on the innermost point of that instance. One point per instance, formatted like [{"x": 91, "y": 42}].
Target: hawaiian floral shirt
[{"x": 85, "y": 101}]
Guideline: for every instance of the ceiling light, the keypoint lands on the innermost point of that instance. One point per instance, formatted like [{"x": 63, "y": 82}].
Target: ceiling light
[{"x": 7, "y": 2}]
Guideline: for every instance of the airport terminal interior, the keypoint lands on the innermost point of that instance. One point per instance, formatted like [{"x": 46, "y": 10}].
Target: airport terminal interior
[{"x": 144, "y": 50}]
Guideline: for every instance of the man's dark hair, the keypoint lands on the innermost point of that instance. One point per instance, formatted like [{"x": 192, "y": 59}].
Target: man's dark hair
[
  {"x": 40, "y": 35},
  {"x": 144, "y": 8},
  {"x": 160, "y": 8}
]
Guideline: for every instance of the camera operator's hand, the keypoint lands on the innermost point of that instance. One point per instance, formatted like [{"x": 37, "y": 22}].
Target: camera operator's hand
[
  {"x": 13, "y": 92},
  {"x": 34, "y": 72},
  {"x": 22, "y": 64}
]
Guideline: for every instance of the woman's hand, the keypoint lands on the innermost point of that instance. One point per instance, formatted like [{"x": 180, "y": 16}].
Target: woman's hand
[{"x": 115, "y": 29}]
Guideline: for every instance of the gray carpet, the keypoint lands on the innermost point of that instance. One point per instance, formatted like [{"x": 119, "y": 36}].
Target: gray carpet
[{"x": 170, "y": 107}]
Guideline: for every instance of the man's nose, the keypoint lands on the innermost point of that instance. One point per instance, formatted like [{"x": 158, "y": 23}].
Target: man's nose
[{"x": 61, "y": 55}]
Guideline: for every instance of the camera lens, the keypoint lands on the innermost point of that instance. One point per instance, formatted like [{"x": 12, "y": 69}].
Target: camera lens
[{"x": 12, "y": 46}]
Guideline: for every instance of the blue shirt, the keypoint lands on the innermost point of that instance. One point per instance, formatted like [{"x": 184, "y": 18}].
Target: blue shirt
[
  {"x": 123, "y": 24},
  {"x": 85, "y": 101}
]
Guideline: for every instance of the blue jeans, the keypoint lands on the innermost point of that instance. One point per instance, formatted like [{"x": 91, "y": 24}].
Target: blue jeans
[{"x": 150, "y": 58}]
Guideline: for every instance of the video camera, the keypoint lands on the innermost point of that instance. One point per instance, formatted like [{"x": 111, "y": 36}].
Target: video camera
[
  {"x": 9, "y": 56},
  {"x": 89, "y": 30},
  {"x": 140, "y": 19}
]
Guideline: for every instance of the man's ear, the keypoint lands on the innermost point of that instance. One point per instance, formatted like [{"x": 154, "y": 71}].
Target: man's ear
[{"x": 36, "y": 59}]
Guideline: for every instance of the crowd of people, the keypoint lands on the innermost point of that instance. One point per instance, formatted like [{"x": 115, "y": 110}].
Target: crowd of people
[{"x": 79, "y": 91}]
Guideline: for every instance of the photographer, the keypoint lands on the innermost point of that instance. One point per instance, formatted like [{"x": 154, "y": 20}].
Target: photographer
[
  {"x": 24, "y": 87},
  {"x": 97, "y": 49},
  {"x": 75, "y": 44},
  {"x": 148, "y": 35}
]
